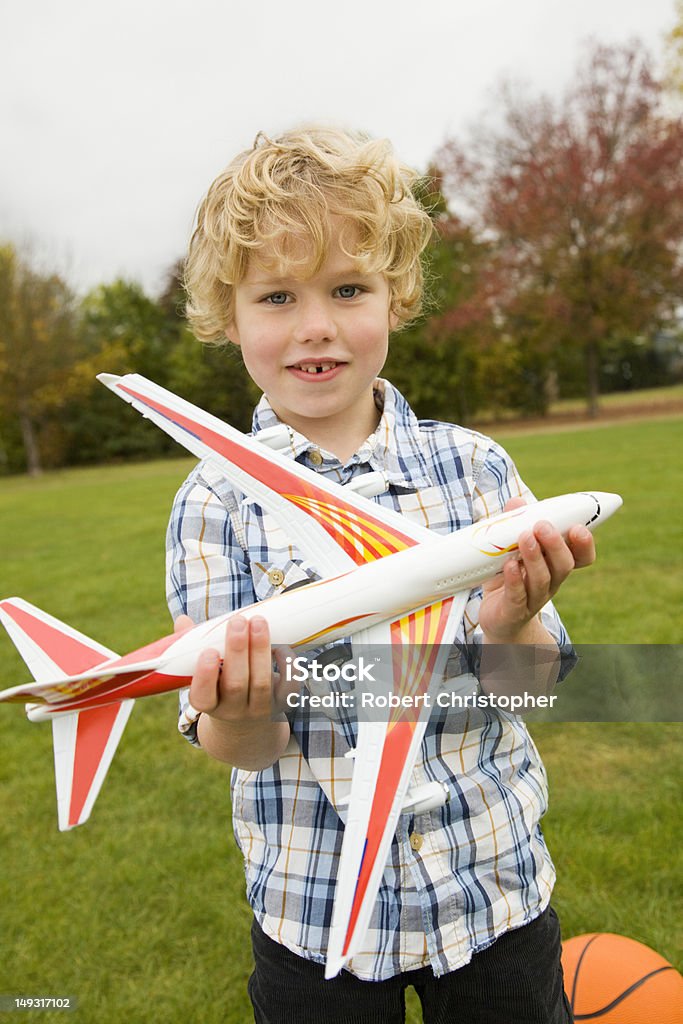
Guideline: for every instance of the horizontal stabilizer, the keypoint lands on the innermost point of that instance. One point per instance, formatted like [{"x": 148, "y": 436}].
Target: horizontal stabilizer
[
  {"x": 66, "y": 688},
  {"x": 64, "y": 664},
  {"x": 84, "y": 746}
]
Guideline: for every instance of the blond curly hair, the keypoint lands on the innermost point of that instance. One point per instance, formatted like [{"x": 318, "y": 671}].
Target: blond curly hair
[{"x": 284, "y": 191}]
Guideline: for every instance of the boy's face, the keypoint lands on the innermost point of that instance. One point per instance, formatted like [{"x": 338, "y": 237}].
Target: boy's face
[{"x": 315, "y": 344}]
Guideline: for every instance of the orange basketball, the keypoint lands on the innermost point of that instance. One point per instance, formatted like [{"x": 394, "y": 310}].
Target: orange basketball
[{"x": 615, "y": 980}]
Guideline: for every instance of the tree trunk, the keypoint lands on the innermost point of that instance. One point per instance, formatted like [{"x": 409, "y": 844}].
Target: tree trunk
[
  {"x": 30, "y": 444},
  {"x": 592, "y": 379}
]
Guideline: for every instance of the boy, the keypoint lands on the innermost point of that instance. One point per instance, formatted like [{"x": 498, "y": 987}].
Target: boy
[{"x": 306, "y": 255}]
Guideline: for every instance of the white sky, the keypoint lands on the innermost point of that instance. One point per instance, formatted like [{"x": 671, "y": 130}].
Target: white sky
[{"x": 115, "y": 117}]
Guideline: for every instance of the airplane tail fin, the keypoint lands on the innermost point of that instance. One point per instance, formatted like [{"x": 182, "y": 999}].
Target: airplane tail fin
[
  {"x": 49, "y": 647},
  {"x": 84, "y": 742}
]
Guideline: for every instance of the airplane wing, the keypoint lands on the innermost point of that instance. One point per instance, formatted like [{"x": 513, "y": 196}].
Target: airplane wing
[
  {"x": 335, "y": 527},
  {"x": 383, "y": 764},
  {"x": 84, "y": 742}
]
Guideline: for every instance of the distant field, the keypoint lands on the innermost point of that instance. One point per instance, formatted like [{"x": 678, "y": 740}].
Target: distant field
[
  {"x": 646, "y": 401},
  {"x": 141, "y": 915},
  {"x": 620, "y": 399}
]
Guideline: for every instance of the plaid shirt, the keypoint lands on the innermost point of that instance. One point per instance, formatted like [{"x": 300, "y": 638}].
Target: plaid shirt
[{"x": 456, "y": 877}]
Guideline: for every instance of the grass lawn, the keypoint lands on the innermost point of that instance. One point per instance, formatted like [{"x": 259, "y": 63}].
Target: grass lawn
[{"x": 141, "y": 915}]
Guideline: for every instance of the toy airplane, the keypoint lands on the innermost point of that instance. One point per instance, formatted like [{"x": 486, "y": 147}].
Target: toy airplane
[{"x": 386, "y": 582}]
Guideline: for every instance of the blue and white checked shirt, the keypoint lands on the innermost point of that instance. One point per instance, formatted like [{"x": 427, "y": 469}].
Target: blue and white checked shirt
[{"x": 456, "y": 877}]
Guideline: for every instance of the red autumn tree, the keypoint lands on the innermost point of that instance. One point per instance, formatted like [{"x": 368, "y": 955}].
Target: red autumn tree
[{"x": 583, "y": 203}]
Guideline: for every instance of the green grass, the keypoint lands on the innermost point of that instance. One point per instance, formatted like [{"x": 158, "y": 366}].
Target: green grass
[
  {"x": 614, "y": 829},
  {"x": 141, "y": 915},
  {"x": 634, "y": 593}
]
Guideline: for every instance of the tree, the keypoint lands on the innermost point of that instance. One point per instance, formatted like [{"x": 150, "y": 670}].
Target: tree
[
  {"x": 41, "y": 351},
  {"x": 435, "y": 360},
  {"x": 124, "y": 331},
  {"x": 211, "y": 376},
  {"x": 583, "y": 205}
]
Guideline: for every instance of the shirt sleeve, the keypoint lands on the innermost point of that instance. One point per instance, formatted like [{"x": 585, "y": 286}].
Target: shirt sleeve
[
  {"x": 207, "y": 571},
  {"x": 496, "y": 480}
]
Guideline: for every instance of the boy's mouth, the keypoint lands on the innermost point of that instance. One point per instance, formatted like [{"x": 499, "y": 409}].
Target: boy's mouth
[{"x": 324, "y": 366}]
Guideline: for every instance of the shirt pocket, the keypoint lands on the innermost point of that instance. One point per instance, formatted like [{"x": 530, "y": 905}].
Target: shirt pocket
[{"x": 276, "y": 577}]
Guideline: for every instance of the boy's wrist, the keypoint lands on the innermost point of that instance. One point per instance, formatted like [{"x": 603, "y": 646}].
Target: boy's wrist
[
  {"x": 524, "y": 661},
  {"x": 251, "y": 744},
  {"x": 531, "y": 632}
]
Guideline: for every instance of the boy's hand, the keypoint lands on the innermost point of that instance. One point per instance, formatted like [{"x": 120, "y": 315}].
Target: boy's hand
[
  {"x": 242, "y": 687},
  {"x": 514, "y": 598}
]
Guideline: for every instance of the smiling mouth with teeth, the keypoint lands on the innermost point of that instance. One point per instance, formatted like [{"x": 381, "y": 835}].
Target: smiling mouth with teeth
[{"x": 315, "y": 367}]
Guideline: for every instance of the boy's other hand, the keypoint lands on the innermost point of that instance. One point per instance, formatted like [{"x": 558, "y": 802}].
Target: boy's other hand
[
  {"x": 516, "y": 596},
  {"x": 242, "y": 685}
]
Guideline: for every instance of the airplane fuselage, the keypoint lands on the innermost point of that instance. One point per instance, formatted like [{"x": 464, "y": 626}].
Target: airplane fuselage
[{"x": 384, "y": 589}]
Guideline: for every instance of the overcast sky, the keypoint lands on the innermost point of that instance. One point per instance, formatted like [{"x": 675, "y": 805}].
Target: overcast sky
[{"x": 116, "y": 116}]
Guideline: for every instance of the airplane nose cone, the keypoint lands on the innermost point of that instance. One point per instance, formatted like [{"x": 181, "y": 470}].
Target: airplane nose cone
[{"x": 608, "y": 503}]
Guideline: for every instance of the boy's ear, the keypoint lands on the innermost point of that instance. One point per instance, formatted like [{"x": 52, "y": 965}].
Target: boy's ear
[
  {"x": 393, "y": 320},
  {"x": 232, "y": 334}
]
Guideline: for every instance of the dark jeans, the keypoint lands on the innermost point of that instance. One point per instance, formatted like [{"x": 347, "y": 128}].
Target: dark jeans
[{"x": 517, "y": 980}]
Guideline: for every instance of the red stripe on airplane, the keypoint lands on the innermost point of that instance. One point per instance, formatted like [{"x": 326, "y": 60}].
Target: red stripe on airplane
[
  {"x": 365, "y": 531},
  {"x": 93, "y": 732},
  {"x": 396, "y": 746},
  {"x": 71, "y": 655},
  {"x": 147, "y": 684}
]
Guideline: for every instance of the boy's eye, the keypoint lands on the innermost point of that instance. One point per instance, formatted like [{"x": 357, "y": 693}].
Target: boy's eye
[
  {"x": 348, "y": 291},
  {"x": 276, "y": 299}
]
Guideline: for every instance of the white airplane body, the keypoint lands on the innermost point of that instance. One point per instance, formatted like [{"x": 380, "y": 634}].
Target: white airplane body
[{"x": 387, "y": 581}]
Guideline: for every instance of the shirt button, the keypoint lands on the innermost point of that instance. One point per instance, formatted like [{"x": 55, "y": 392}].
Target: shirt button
[
  {"x": 316, "y": 457},
  {"x": 416, "y": 841},
  {"x": 276, "y": 577}
]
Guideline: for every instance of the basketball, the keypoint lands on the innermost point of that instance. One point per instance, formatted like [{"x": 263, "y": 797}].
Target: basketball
[{"x": 615, "y": 980}]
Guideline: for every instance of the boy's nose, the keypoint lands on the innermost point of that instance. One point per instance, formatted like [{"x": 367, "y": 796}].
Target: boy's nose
[{"x": 315, "y": 322}]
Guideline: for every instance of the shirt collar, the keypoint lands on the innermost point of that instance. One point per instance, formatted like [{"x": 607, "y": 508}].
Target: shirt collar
[{"x": 395, "y": 448}]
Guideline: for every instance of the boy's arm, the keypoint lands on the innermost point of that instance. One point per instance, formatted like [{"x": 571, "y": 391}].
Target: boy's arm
[{"x": 236, "y": 699}]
